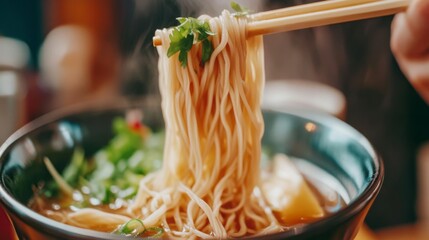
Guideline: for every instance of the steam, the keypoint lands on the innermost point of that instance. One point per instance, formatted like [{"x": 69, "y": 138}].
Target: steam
[
  {"x": 329, "y": 54},
  {"x": 139, "y": 76}
]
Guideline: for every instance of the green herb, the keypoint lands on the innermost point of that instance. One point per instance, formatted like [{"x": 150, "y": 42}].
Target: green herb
[
  {"x": 62, "y": 184},
  {"x": 239, "y": 10},
  {"x": 134, "y": 228},
  {"x": 76, "y": 168},
  {"x": 120, "y": 165},
  {"x": 71, "y": 174},
  {"x": 125, "y": 142},
  {"x": 114, "y": 171},
  {"x": 190, "y": 31}
]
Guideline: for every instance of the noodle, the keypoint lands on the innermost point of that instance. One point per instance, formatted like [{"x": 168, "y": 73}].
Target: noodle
[
  {"x": 213, "y": 130},
  {"x": 207, "y": 187}
]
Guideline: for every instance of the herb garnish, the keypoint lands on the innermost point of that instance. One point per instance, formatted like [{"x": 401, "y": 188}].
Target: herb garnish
[
  {"x": 135, "y": 228},
  {"x": 240, "y": 11},
  {"x": 114, "y": 172},
  {"x": 189, "y": 32}
]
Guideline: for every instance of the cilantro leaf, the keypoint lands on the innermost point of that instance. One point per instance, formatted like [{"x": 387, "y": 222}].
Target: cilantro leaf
[
  {"x": 175, "y": 43},
  {"x": 207, "y": 50},
  {"x": 189, "y": 32},
  {"x": 204, "y": 31},
  {"x": 183, "y": 58},
  {"x": 182, "y": 45}
]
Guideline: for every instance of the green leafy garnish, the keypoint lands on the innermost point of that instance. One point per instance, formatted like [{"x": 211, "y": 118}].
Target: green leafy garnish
[
  {"x": 239, "y": 10},
  {"x": 120, "y": 165},
  {"x": 114, "y": 171},
  {"x": 70, "y": 176},
  {"x": 190, "y": 31},
  {"x": 59, "y": 180},
  {"x": 76, "y": 168}
]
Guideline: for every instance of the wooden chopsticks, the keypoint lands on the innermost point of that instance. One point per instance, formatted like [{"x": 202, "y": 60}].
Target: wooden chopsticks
[
  {"x": 318, "y": 14},
  {"x": 307, "y": 8},
  {"x": 331, "y": 16}
]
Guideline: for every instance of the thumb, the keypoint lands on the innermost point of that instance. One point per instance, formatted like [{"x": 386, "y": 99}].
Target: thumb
[{"x": 410, "y": 31}]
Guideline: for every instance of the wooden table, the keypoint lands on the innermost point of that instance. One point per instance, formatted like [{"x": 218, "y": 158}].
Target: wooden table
[
  {"x": 412, "y": 232},
  {"x": 418, "y": 231}
]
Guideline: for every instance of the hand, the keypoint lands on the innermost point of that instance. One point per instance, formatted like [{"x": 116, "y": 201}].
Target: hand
[{"x": 410, "y": 45}]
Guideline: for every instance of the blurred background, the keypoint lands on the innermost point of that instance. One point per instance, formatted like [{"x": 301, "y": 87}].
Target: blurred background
[{"x": 55, "y": 53}]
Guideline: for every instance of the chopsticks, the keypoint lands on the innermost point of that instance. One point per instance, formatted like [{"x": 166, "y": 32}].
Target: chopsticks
[
  {"x": 307, "y": 8},
  {"x": 325, "y": 17},
  {"x": 318, "y": 14}
]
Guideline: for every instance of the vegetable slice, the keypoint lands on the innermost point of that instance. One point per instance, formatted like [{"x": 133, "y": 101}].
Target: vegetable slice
[
  {"x": 134, "y": 228},
  {"x": 62, "y": 184}
]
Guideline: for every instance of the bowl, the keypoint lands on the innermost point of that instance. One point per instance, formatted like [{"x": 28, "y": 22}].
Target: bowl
[{"x": 323, "y": 148}]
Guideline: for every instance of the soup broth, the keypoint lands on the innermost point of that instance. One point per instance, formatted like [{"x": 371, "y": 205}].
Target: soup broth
[{"x": 330, "y": 194}]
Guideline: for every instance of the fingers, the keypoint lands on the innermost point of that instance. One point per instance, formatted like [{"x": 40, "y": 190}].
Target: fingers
[
  {"x": 417, "y": 71},
  {"x": 410, "y": 45},
  {"x": 402, "y": 37},
  {"x": 410, "y": 31}
]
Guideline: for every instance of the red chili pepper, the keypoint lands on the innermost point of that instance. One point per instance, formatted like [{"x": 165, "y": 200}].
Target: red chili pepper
[{"x": 137, "y": 126}]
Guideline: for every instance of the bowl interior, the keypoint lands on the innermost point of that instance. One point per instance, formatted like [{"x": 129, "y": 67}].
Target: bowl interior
[{"x": 349, "y": 163}]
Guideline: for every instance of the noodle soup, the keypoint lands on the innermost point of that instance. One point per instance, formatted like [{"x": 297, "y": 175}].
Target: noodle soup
[
  {"x": 210, "y": 184},
  {"x": 328, "y": 192},
  {"x": 335, "y": 160}
]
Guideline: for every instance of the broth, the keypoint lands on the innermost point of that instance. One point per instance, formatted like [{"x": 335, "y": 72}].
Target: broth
[{"x": 329, "y": 192}]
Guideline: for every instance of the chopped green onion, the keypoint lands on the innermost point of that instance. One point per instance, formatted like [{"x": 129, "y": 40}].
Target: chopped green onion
[{"x": 134, "y": 228}]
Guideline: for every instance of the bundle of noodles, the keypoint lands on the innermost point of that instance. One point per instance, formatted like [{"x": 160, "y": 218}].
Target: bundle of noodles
[{"x": 207, "y": 186}]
